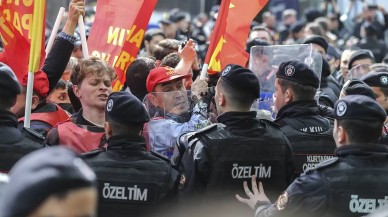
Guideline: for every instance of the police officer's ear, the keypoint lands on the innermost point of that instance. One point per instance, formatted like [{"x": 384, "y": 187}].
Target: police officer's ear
[
  {"x": 35, "y": 101},
  {"x": 221, "y": 100},
  {"x": 108, "y": 130},
  {"x": 341, "y": 137},
  {"x": 288, "y": 95}
]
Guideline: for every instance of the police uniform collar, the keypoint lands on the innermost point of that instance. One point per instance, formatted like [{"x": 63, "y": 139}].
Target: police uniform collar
[
  {"x": 241, "y": 123},
  {"x": 362, "y": 149},
  {"x": 232, "y": 116},
  {"x": 127, "y": 142},
  {"x": 298, "y": 108}
]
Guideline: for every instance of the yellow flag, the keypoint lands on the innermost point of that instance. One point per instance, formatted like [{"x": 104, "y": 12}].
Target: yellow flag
[{"x": 38, "y": 19}]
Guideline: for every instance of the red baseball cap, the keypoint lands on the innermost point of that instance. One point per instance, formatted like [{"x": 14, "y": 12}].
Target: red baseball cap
[
  {"x": 41, "y": 83},
  {"x": 160, "y": 75}
]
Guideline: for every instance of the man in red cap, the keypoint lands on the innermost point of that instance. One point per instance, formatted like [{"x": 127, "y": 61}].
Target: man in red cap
[
  {"x": 46, "y": 115},
  {"x": 170, "y": 108}
]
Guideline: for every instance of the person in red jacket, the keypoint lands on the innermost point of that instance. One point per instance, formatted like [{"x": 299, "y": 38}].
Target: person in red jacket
[{"x": 92, "y": 83}]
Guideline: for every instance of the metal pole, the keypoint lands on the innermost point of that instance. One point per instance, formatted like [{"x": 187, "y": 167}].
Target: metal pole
[
  {"x": 202, "y": 6},
  {"x": 27, "y": 111}
]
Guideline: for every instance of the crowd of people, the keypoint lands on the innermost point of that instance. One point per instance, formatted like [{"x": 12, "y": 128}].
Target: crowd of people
[{"x": 171, "y": 143}]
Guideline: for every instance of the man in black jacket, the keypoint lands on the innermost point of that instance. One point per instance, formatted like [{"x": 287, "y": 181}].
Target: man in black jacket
[
  {"x": 221, "y": 156},
  {"x": 298, "y": 115},
  {"x": 351, "y": 184},
  {"x": 131, "y": 180},
  {"x": 14, "y": 143}
]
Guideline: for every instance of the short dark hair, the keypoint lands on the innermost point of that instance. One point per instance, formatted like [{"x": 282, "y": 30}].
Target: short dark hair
[
  {"x": 149, "y": 34},
  {"x": 120, "y": 129},
  {"x": 301, "y": 92},
  {"x": 165, "y": 47},
  {"x": 360, "y": 131},
  {"x": 235, "y": 96},
  {"x": 61, "y": 84},
  {"x": 323, "y": 22},
  {"x": 316, "y": 29},
  {"x": 171, "y": 60},
  {"x": 136, "y": 76},
  {"x": 262, "y": 28},
  {"x": 384, "y": 90},
  {"x": 6, "y": 102}
]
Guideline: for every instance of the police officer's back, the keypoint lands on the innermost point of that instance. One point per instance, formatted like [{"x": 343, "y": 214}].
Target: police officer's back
[
  {"x": 351, "y": 184},
  {"x": 131, "y": 181},
  {"x": 14, "y": 143},
  {"x": 298, "y": 115},
  {"x": 221, "y": 156}
]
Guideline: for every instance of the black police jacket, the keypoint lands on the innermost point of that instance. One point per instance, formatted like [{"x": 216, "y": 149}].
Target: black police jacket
[
  {"x": 131, "y": 181},
  {"x": 310, "y": 134},
  {"x": 327, "y": 95},
  {"x": 354, "y": 183},
  {"x": 15, "y": 143},
  {"x": 220, "y": 157}
]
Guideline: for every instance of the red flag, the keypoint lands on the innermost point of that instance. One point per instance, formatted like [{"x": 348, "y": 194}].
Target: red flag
[
  {"x": 228, "y": 40},
  {"x": 118, "y": 31},
  {"x": 16, "y": 33}
]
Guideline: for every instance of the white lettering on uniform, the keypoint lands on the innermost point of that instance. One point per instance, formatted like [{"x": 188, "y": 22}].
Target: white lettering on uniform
[
  {"x": 244, "y": 172},
  {"x": 365, "y": 205},
  {"x": 119, "y": 193},
  {"x": 313, "y": 160}
]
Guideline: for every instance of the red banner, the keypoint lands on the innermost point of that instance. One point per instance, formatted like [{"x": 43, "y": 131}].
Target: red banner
[
  {"x": 16, "y": 32},
  {"x": 118, "y": 31},
  {"x": 228, "y": 40}
]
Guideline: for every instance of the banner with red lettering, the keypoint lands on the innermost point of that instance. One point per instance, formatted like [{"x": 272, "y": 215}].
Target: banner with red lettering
[
  {"x": 118, "y": 31},
  {"x": 16, "y": 33},
  {"x": 228, "y": 40}
]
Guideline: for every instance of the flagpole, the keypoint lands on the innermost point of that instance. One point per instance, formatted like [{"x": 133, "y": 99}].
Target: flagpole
[
  {"x": 81, "y": 25},
  {"x": 203, "y": 75},
  {"x": 35, "y": 50},
  {"x": 55, "y": 30},
  {"x": 27, "y": 111}
]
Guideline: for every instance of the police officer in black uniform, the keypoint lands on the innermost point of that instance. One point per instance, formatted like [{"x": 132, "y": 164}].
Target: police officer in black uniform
[
  {"x": 131, "y": 180},
  {"x": 353, "y": 183},
  {"x": 14, "y": 143},
  {"x": 298, "y": 115},
  {"x": 329, "y": 86},
  {"x": 356, "y": 87},
  {"x": 239, "y": 146},
  {"x": 53, "y": 181},
  {"x": 378, "y": 81}
]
